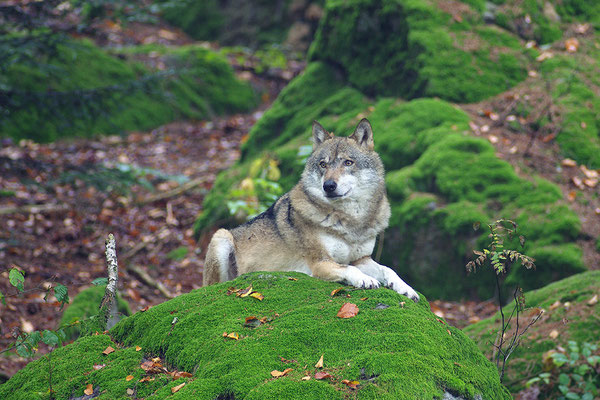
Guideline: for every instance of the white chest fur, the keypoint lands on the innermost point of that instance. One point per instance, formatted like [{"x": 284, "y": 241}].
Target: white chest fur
[{"x": 344, "y": 252}]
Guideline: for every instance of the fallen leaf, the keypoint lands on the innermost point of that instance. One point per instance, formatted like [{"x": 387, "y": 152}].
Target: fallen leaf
[
  {"x": 381, "y": 306},
  {"x": 583, "y": 125},
  {"x": 147, "y": 365},
  {"x": 348, "y": 310},
  {"x": 553, "y": 334},
  {"x": 322, "y": 375},
  {"x": 276, "y": 374},
  {"x": 252, "y": 322},
  {"x": 257, "y": 295},
  {"x": 364, "y": 298},
  {"x": 138, "y": 348},
  {"x": 176, "y": 389},
  {"x": 590, "y": 182},
  {"x": 108, "y": 350},
  {"x": 593, "y": 300},
  {"x": 98, "y": 366},
  {"x": 449, "y": 333},
  {"x": 549, "y": 138},
  {"x": 582, "y": 28},
  {"x": 89, "y": 389},
  {"x": 589, "y": 173},
  {"x": 555, "y": 305},
  {"x": 319, "y": 363},
  {"x": 146, "y": 379},
  {"x": 544, "y": 56},
  {"x": 577, "y": 182},
  {"x": 572, "y": 196},
  {"x": 130, "y": 391},
  {"x": 244, "y": 292},
  {"x": 128, "y": 378},
  {"x": 234, "y": 335},
  {"x": 292, "y": 279},
  {"x": 335, "y": 291},
  {"x": 351, "y": 384},
  {"x": 180, "y": 374},
  {"x": 306, "y": 378},
  {"x": 232, "y": 290},
  {"x": 571, "y": 45},
  {"x": 145, "y": 308}
]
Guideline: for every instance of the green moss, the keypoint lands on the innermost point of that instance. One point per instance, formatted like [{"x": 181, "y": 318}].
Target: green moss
[
  {"x": 119, "y": 95},
  {"x": 234, "y": 22},
  {"x": 576, "y": 94},
  {"x": 73, "y": 368},
  {"x": 552, "y": 263},
  {"x": 582, "y": 325},
  {"x": 410, "y": 49},
  {"x": 83, "y": 311},
  {"x": 381, "y": 348}
]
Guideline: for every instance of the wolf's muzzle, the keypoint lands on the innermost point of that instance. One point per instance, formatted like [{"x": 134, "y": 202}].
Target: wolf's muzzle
[{"x": 329, "y": 186}]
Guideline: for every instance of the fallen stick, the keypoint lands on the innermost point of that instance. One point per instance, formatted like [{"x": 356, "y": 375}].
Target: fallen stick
[
  {"x": 34, "y": 209},
  {"x": 173, "y": 192},
  {"x": 148, "y": 280}
]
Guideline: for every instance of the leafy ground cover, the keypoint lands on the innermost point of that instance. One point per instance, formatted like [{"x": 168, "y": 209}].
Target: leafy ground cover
[{"x": 258, "y": 337}]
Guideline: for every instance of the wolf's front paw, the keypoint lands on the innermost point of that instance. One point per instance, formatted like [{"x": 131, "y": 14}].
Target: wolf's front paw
[
  {"x": 357, "y": 278},
  {"x": 400, "y": 287}
]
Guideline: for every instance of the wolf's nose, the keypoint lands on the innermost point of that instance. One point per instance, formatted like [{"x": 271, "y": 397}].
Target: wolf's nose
[{"x": 329, "y": 186}]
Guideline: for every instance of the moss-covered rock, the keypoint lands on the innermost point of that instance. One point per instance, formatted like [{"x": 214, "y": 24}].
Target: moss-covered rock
[
  {"x": 566, "y": 310},
  {"x": 80, "y": 315},
  {"x": 395, "y": 348},
  {"x": 239, "y": 22},
  {"x": 408, "y": 49},
  {"x": 81, "y": 90}
]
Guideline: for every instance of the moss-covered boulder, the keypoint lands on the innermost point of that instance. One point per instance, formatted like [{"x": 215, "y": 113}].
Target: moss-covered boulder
[
  {"x": 408, "y": 48},
  {"x": 78, "y": 89},
  {"x": 80, "y": 315},
  {"x": 567, "y": 310},
  {"x": 394, "y": 348}
]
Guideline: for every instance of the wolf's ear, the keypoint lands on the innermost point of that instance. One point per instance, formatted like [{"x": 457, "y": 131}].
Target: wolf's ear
[
  {"x": 363, "y": 134},
  {"x": 319, "y": 134}
]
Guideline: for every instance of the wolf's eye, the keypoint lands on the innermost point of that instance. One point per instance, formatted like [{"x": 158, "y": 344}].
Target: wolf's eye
[
  {"x": 322, "y": 164},
  {"x": 348, "y": 163}
]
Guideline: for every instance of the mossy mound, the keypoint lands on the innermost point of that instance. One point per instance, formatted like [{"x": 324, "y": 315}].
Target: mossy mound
[
  {"x": 235, "y": 22},
  {"x": 78, "y": 89},
  {"x": 577, "y": 96},
  {"x": 408, "y": 49},
  {"x": 79, "y": 316},
  {"x": 394, "y": 348},
  {"x": 566, "y": 310}
]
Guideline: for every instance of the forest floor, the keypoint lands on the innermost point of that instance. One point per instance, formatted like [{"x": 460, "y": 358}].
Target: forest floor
[{"x": 62, "y": 241}]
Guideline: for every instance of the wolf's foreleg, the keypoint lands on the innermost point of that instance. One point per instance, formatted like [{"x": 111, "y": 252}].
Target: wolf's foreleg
[
  {"x": 386, "y": 276},
  {"x": 332, "y": 271}
]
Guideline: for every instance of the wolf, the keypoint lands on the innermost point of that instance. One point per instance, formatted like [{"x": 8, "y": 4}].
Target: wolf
[{"x": 325, "y": 226}]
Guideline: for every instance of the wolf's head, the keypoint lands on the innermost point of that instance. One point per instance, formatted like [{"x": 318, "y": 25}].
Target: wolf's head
[{"x": 343, "y": 168}]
